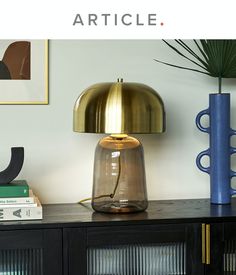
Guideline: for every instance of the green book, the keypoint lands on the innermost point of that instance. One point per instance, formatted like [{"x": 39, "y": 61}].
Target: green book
[{"x": 17, "y": 188}]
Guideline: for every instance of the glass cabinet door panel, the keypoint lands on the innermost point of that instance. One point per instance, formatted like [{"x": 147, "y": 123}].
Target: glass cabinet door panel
[
  {"x": 21, "y": 261},
  {"x": 230, "y": 257},
  {"x": 151, "y": 259}
]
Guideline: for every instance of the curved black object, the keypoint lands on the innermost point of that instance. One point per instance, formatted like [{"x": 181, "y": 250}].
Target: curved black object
[
  {"x": 4, "y": 71},
  {"x": 14, "y": 167}
]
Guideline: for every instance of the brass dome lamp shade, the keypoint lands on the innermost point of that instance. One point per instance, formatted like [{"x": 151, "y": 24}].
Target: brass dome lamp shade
[{"x": 119, "y": 109}]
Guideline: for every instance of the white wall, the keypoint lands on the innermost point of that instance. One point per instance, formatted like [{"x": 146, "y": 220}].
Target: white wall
[{"x": 58, "y": 163}]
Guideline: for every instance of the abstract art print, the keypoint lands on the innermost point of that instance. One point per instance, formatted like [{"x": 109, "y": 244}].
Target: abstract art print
[{"x": 23, "y": 71}]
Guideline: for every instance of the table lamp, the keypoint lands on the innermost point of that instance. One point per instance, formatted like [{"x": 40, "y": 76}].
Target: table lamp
[{"x": 119, "y": 109}]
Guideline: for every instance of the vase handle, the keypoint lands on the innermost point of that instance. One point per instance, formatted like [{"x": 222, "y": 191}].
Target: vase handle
[
  {"x": 198, "y": 161},
  {"x": 198, "y": 121},
  {"x": 232, "y": 132},
  {"x": 232, "y": 173},
  {"x": 232, "y": 151}
]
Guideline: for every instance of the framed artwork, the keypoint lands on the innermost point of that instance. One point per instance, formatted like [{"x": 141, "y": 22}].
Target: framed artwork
[{"x": 24, "y": 72}]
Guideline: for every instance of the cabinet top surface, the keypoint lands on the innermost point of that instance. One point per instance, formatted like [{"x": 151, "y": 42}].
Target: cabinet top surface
[{"x": 165, "y": 211}]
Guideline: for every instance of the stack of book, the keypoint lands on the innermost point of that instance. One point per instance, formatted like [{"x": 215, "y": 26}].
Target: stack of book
[{"x": 17, "y": 202}]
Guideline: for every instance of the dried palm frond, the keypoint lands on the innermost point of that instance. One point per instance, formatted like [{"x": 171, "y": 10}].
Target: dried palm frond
[{"x": 216, "y": 58}]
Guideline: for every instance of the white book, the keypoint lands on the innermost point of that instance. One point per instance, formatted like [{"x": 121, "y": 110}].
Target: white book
[
  {"x": 20, "y": 200},
  {"x": 18, "y": 205},
  {"x": 22, "y": 213}
]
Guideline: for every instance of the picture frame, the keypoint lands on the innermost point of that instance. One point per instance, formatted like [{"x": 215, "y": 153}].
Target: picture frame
[{"x": 24, "y": 82}]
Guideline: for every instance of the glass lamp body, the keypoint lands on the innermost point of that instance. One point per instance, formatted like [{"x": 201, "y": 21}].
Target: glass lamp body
[{"x": 119, "y": 182}]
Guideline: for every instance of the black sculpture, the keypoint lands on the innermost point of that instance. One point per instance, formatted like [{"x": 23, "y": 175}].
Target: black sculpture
[{"x": 14, "y": 167}]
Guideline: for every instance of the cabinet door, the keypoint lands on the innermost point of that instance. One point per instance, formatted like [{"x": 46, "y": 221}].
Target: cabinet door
[
  {"x": 31, "y": 252},
  {"x": 135, "y": 250},
  {"x": 222, "y": 249}
]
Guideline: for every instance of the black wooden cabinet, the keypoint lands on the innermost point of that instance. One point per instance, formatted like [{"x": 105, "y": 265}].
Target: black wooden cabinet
[{"x": 181, "y": 237}]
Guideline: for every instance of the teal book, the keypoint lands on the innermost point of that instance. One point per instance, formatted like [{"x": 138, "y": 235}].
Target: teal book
[{"x": 15, "y": 189}]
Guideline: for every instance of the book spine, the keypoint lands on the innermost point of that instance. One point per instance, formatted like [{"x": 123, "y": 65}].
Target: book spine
[
  {"x": 14, "y": 191},
  {"x": 20, "y": 200},
  {"x": 18, "y": 205},
  {"x": 21, "y": 213}
]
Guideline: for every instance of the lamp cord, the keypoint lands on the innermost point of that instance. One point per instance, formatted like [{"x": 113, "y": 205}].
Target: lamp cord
[{"x": 115, "y": 188}]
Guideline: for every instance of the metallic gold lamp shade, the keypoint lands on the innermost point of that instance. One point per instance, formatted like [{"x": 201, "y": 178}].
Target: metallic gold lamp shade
[
  {"x": 119, "y": 182},
  {"x": 119, "y": 108}
]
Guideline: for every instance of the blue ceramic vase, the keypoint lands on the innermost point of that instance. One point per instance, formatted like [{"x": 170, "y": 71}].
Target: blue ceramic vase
[{"x": 220, "y": 149}]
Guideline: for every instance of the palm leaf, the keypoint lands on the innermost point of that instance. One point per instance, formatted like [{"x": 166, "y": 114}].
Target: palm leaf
[
  {"x": 216, "y": 58},
  {"x": 180, "y": 67},
  {"x": 183, "y": 55}
]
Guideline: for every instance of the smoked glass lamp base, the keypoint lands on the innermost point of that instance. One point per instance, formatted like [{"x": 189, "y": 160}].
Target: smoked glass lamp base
[{"x": 119, "y": 184}]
